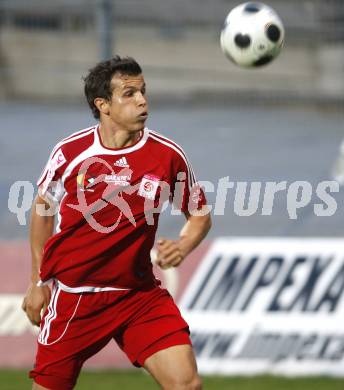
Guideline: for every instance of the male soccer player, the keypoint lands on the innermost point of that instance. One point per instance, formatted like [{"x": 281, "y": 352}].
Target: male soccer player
[{"x": 107, "y": 183}]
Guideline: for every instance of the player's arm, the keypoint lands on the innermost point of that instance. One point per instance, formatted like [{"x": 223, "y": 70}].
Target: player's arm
[
  {"x": 171, "y": 253},
  {"x": 41, "y": 228}
]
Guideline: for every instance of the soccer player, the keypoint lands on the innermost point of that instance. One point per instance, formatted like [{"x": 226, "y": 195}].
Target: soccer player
[{"x": 107, "y": 183}]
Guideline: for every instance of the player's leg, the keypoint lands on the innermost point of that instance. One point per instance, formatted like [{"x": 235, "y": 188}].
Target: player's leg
[
  {"x": 56, "y": 366},
  {"x": 70, "y": 333},
  {"x": 157, "y": 338},
  {"x": 36, "y": 386},
  {"x": 174, "y": 368}
]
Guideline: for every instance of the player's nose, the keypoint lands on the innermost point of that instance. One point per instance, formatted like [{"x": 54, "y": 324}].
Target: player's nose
[{"x": 141, "y": 99}]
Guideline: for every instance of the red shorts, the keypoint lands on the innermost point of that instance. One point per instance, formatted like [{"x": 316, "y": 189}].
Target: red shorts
[{"x": 77, "y": 326}]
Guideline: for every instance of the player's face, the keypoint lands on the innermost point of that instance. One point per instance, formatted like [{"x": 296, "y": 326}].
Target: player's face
[{"x": 128, "y": 107}]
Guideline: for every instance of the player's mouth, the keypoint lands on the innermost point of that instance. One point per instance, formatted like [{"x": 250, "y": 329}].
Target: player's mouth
[{"x": 143, "y": 116}]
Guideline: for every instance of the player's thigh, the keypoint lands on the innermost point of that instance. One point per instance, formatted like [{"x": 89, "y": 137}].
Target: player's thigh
[{"x": 174, "y": 368}]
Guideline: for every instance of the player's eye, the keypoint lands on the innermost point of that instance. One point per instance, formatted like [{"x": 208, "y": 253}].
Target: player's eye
[{"x": 129, "y": 93}]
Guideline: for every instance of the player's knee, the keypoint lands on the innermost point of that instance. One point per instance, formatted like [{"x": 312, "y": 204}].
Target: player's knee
[
  {"x": 196, "y": 384},
  {"x": 191, "y": 383}
]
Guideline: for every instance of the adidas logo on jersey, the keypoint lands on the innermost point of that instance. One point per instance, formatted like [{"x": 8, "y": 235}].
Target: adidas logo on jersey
[{"x": 122, "y": 162}]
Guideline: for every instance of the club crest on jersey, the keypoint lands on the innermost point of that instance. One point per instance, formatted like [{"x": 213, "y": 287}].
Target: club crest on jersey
[{"x": 149, "y": 186}]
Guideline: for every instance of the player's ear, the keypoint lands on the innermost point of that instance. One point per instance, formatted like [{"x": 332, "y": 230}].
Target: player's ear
[{"x": 103, "y": 105}]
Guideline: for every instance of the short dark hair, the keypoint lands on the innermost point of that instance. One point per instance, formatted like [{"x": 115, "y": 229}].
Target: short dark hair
[{"x": 98, "y": 80}]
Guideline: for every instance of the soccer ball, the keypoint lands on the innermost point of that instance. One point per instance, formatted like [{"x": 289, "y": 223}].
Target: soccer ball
[{"x": 252, "y": 35}]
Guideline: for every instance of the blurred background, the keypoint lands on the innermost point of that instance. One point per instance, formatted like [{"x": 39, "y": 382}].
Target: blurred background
[{"x": 282, "y": 122}]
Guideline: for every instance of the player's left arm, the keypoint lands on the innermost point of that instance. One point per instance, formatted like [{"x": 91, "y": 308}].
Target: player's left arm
[{"x": 171, "y": 253}]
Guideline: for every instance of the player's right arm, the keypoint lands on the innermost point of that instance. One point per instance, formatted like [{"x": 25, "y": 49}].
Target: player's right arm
[
  {"x": 41, "y": 228},
  {"x": 50, "y": 192}
]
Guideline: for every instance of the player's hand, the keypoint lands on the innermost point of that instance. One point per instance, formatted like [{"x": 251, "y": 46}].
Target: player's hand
[
  {"x": 170, "y": 253},
  {"x": 36, "y": 299}
]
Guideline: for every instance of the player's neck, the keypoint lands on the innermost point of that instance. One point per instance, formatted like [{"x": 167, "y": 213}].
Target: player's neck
[{"x": 117, "y": 138}]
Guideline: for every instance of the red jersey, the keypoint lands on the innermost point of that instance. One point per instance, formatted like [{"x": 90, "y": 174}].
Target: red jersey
[{"x": 109, "y": 206}]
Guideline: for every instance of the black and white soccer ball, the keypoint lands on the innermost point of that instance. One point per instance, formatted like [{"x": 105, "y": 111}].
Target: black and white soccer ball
[{"x": 252, "y": 35}]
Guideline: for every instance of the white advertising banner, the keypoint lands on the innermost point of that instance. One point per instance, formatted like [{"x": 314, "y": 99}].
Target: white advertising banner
[{"x": 268, "y": 306}]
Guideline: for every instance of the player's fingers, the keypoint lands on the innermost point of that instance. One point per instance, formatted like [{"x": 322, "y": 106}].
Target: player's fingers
[
  {"x": 48, "y": 298},
  {"x": 44, "y": 308},
  {"x": 34, "y": 316},
  {"x": 162, "y": 253},
  {"x": 177, "y": 261},
  {"x": 167, "y": 254},
  {"x": 166, "y": 245},
  {"x": 170, "y": 250},
  {"x": 172, "y": 260},
  {"x": 172, "y": 263}
]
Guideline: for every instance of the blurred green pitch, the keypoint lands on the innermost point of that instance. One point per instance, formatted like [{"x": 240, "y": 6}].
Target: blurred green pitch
[{"x": 136, "y": 380}]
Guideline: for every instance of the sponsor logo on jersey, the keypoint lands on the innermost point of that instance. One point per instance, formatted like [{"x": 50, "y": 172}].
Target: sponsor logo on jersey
[
  {"x": 149, "y": 186},
  {"x": 122, "y": 162},
  {"x": 120, "y": 180}
]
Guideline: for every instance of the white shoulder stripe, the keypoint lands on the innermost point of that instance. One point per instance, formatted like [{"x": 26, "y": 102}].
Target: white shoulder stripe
[
  {"x": 79, "y": 132},
  {"x": 190, "y": 175},
  {"x": 73, "y": 137},
  {"x": 180, "y": 149}
]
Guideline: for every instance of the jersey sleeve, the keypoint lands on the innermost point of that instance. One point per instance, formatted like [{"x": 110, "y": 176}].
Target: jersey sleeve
[
  {"x": 186, "y": 193},
  {"x": 50, "y": 184}
]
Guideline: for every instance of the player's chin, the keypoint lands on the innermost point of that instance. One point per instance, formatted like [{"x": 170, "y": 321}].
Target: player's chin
[{"x": 140, "y": 124}]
